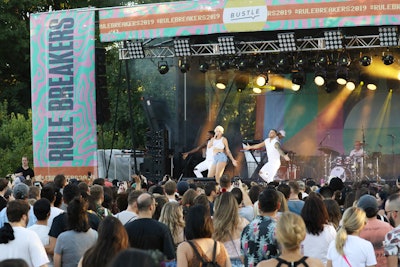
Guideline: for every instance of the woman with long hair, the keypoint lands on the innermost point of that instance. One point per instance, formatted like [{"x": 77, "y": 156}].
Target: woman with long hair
[
  {"x": 72, "y": 244},
  {"x": 334, "y": 212},
  {"x": 319, "y": 233},
  {"x": 111, "y": 240},
  {"x": 198, "y": 230},
  {"x": 172, "y": 216},
  {"x": 221, "y": 153},
  {"x": 349, "y": 249},
  {"x": 228, "y": 225},
  {"x": 290, "y": 232}
]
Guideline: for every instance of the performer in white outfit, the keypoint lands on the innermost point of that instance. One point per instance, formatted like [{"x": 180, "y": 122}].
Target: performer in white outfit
[
  {"x": 205, "y": 165},
  {"x": 274, "y": 151}
]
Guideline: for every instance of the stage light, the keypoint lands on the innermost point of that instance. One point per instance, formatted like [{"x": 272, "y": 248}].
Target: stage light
[
  {"x": 135, "y": 49},
  {"x": 333, "y": 39},
  {"x": 226, "y": 45},
  {"x": 262, "y": 80},
  {"x": 301, "y": 62},
  {"x": 241, "y": 82},
  {"x": 163, "y": 67},
  {"x": 322, "y": 60},
  {"x": 369, "y": 81},
  {"x": 372, "y": 86},
  {"x": 331, "y": 86},
  {"x": 344, "y": 60},
  {"x": 320, "y": 77},
  {"x": 221, "y": 82},
  {"x": 242, "y": 65},
  {"x": 388, "y": 59},
  {"x": 287, "y": 42},
  {"x": 351, "y": 85},
  {"x": 184, "y": 67},
  {"x": 257, "y": 90},
  {"x": 342, "y": 75},
  {"x": 284, "y": 63},
  {"x": 365, "y": 60},
  {"x": 204, "y": 67},
  {"x": 298, "y": 79},
  {"x": 182, "y": 47},
  {"x": 261, "y": 63},
  {"x": 224, "y": 65},
  {"x": 388, "y": 36}
]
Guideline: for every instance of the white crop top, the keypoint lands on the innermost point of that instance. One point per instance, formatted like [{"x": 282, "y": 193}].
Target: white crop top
[{"x": 218, "y": 144}]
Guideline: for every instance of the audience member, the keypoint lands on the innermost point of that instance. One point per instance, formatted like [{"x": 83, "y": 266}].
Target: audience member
[
  {"x": 73, "y": 243},
  {"x": 172, "y": 216},
  {"x": 258, "y": 240},
  {"x": 392, "y": 238},
  {"x": 14, "y": 263},
  {"x": 3, "y": 190},
  {"x": 170, "y": 190},
  {"x": 375, "y": 230},
  {"x": 19, "y": 192},
  {"x": 319, "y": 233},
  {"x": 334, "y": 212},
  {"x": 182, "y": 187},
  {"x": 130, "y": 213},
  {"x": 97, "y": 194},
  {"x": 198, "y": 231},
  {"x": 112, "y": 239},
  {"x": 18, "y": 242},
  {"x": 246, "y": 209},
  {"x": 41, "y": 208},
  {"x": 160, "y": 202},
  {"x": 228, "y": 225},
  {"x": 137, "y": 257},
  {"x": 348, "y": 248},
  {"x": 294, "y": 203},
  {"x": 211, "y": 190},
  {"x": 147, "y": 233},
  {"x": 48, "y": 193},
  {"x": 290, "y": 232}
]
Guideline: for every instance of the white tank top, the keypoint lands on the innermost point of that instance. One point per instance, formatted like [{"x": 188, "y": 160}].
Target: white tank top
[
  {"x": 218, "y": 144},
  {"x": 209, "y": 152},
  {"x": 272, "y": 152}
]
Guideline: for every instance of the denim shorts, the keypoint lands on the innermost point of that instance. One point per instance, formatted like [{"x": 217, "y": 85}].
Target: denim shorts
[{"x": 220, "y": 157}]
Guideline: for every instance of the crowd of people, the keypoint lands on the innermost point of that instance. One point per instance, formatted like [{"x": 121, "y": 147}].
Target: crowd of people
[{"x": 186, "y": 223}]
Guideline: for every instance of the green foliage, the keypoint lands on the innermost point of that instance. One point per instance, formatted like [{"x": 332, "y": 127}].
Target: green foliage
[{"x": 16, "y": 139}]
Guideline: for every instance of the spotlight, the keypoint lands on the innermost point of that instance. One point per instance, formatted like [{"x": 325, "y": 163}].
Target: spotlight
[
  {"x": 182, "y": 47},
  {"x": 224, "y": 65},
  {"x": 221, "y": 82},
  {"x": 284, "y": 63},
  {"x": 135, "y": 49},
  {"x": 371, "y": 86},
  {"x": 344, "y": 60},
  {"x": 388, "y": 59},
  {"x": 333, "y": 39},
  {"x": 204, "y": 67},
  {"x": 369, "y": 81},
  {"x": 184, "y": 67},
  {"x": 287, "y": 41},
  {"x": 320, "y": 77},
  {"x": 365, "y": 60},
  {"x": 257, "y": 90},
  {"x": 163, "y": 67},
  {"x": 262, "y": 80},
  {"x": 242, "y": 65},
  {"x": 261, "y": 63},
  {"x": 331, "y": 86},
  {"x": 226, "y": 45},
  {"x": 351, "y": 85},
  {"x": 298, "y": 79},
  {"x": 241, "y": 82},
  {"x": 388, "y": 36},
  {"x": 322, "y": 60},
  {"x": 342, "y": 75}
]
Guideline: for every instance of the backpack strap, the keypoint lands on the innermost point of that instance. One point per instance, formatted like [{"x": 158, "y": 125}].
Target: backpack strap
[
  {"x": 196, "y": 251},
  {"x": 214, "y": 251}
]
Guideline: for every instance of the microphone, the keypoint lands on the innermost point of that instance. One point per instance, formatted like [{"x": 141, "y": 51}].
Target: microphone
[{"x": 329, "y": 135}]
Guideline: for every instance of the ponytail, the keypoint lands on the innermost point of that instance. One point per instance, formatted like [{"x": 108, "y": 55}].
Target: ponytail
[{"x": 341, "y": 238}]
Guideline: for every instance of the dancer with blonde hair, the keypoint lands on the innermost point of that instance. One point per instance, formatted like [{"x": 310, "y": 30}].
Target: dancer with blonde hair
[
  {"x": 290, "y": 232},
  {"x": 221, "y": 154},
  {"x": 349, "y": 249}
]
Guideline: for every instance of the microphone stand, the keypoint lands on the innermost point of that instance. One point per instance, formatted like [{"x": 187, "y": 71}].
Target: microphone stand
[{"x": 393, "y": 137}]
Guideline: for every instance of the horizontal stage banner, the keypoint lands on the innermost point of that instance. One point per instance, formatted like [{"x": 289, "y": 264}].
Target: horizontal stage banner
[{"x": 213, "y": 16}]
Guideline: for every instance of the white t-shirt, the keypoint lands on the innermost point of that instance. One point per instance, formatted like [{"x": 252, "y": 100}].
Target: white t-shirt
[
  {"x": 359, "y": 252},
  {"x": 126, "y": 216},
  {"x": 42, "y": 231},
  {"x": 316, "y": 246},
  {"x": 54, "y": 212},
  {"x": 26, "y": 246}
]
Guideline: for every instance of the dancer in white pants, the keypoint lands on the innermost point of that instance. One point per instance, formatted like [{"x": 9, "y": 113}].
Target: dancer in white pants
[
  {"x": 205, "y": 165},
  {"x": 274, "y": 151}
]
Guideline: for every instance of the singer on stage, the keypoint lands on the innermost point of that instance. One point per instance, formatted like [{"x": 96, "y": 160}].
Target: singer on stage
[
  {"x": 221, "y": 153},
  {"x": 274, "y": 151}
]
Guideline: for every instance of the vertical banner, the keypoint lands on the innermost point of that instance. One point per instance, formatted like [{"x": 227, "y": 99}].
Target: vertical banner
[{"x": 63, "y": 93}]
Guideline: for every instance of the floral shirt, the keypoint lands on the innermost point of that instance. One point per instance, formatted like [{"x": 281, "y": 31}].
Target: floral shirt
[
  {"x": 392, "y": 242},
  {"x": 258, "y": 241}
]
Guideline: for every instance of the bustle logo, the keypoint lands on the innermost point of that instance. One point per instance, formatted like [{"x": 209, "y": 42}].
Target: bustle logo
[{"x": 240, "y": 16}]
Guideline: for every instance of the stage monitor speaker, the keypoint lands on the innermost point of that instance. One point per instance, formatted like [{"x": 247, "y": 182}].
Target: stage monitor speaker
[{"x": 196, "y": 179}]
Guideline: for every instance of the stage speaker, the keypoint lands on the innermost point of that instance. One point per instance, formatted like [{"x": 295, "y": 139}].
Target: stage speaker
[{"x": 103, "y": 113}]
